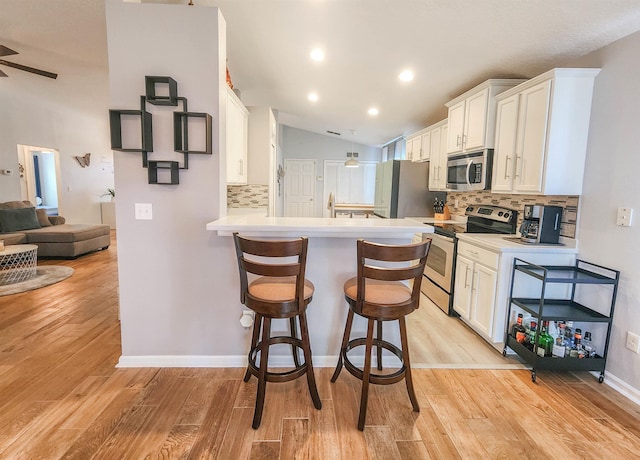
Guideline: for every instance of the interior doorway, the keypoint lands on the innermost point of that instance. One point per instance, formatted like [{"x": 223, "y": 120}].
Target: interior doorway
[
  {"x": 40, "y": 177},
  {"x": 299, "y": 188}
]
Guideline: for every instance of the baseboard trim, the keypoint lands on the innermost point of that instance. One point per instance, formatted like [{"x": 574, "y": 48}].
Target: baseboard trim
[{"x": 620, "y": 386}]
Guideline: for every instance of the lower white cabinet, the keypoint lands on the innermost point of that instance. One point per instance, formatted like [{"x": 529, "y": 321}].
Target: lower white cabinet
[
  {"x": 475, "y": 287},
  {"x": 483, "y": 278}
]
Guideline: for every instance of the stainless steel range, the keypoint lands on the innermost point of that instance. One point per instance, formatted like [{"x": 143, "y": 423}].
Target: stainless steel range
[{"x": 439, "y": 274}]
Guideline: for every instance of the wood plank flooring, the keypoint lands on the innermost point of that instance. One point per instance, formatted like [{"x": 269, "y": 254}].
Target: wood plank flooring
[{"x": 62, "y": 398}]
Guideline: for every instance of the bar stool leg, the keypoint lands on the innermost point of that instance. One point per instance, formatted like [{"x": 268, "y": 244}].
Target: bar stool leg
[
  {"x": 407, "y": 363},
  {"x": 262, "y": 375},
  {"x": 365, "y": 377},
  {"x": 306, "y": 348},
  {"x": 343, "y": 347},
  {"x": 254, "y": 341},
  {"x": 379, "y": 348},
  {"x": 294, "y": 334}
]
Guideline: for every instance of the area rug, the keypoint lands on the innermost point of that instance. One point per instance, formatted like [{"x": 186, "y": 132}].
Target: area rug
[{"x": 45, "y": 276}]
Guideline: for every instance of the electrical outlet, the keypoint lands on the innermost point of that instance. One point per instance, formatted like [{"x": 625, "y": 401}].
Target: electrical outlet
[
  {"x": 144, "y": 211},
  {"x": 633, "y": 342}
]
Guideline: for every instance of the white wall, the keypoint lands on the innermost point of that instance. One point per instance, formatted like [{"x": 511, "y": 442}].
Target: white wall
[
  {"x": 176, "y": 297},
  {"x": 305, "y": 145},
  {"x": 68, "y": 114},
  {"x": 611, "y": 181}
]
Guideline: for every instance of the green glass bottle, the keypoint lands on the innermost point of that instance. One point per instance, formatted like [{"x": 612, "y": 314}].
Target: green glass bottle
[{"x": 545, "y": 341}]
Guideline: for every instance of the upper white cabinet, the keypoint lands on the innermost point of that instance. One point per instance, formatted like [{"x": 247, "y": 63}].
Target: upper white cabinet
[
  {"x": 237, "y": 139},
  {"x": 414, "y": 147},
  {"x": 438, "y": 156},
  {"x": 262, "y": 145},
  {"x": 472, "y": 116},
  {"x": 542, "y": 128}
]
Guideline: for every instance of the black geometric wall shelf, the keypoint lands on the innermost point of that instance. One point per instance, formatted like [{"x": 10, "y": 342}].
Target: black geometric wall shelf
[
  {"x": 157, "y": 170},
  {"x": 162, "y": 91},
  {"x": 153, "y": 97},
  {"x": 146, "y": 131},
  {"x": 181, "y": 131}
]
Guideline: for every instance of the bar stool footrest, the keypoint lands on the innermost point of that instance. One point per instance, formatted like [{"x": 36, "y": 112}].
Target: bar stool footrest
[
  {"x": 378, "y": 379},
  {"x": 284, "y": 376}
]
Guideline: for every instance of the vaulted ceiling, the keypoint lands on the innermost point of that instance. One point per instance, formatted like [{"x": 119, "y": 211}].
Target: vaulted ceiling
[{"x": 451, "y": 45}]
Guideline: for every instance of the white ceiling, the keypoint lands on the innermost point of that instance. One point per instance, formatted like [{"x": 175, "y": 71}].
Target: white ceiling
[{"x": 451, "y": 45}]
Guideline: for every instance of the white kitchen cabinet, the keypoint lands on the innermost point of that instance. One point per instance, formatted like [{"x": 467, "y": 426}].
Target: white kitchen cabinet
[
  {"x": 237, "y": 139},
  {"x": 483, "y": 278},
  {"x": 472, "y": 116},
  {"x": 541, "y": 134},
  {"x": 475, "y": 287},
  {"x": 414, "y": 147},
  {"x": 438, "y": 157},
  {"x": 425, "y": 144}
]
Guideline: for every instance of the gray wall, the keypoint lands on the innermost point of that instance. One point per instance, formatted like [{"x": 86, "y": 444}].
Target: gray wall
[
  {"x": 611, "y": 181},
  {"x": 176, "y": 298},
  {"x": 68, "y": 114},
  {"x": 304, "y": 145}
]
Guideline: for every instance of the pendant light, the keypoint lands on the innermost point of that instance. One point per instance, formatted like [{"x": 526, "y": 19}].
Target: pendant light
[{"x": 352, "y": 157}]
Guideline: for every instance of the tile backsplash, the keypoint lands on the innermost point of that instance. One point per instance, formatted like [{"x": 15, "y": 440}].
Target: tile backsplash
[
  {"x": 517, "y": 202},
  {"x": 247, "y": 196}
]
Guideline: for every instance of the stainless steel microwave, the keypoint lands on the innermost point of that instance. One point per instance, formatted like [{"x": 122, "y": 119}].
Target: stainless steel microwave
[{"x": 470, "y": 171}]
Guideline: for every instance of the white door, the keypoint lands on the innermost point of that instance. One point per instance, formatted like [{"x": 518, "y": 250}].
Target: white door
[
  {"x": 532, "y": 143},
  {"x": 475, "y": 120},
  {"x": 456, "y": 127},
  {"x": 299, "y": 188},
  {"x": 505, "y": 150},
  {"x": 483, "y": 298},
  {"x": 462, "y": 287}
]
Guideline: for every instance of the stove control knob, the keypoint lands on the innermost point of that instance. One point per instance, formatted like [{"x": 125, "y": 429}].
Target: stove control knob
[
  {"x": 470, "y": 208},
  {"x": 506, "y": 215},
  {"x": 500, "y": 214}
]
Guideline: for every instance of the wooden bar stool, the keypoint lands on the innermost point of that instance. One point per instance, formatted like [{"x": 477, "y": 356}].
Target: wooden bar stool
[
  {"x": 276, "y": 290},
  {"x": 380, "y": 292}
]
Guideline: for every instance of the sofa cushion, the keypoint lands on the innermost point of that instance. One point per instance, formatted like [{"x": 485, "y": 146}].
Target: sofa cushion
[
  {"x": 66, "y": 233},
  {"x": 13, "y": 238},
  {"x": 43, "y": 218},
  {"x": 12, "y": 220},
  {"x": 16, "y": 205}
]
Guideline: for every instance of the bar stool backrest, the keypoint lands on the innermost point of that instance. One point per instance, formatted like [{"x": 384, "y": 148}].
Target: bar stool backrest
[
  {"x": 390, "y": 263},
  {"x": 260, "y": 265}
]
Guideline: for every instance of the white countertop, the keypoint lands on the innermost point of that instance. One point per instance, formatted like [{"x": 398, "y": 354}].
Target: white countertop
[
  {"x": 498, "y": 243},
  {"x": 251, "y": 225}
]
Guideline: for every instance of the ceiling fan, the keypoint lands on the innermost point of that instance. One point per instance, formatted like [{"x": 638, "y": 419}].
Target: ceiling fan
[{"x": 4, "y": 51}]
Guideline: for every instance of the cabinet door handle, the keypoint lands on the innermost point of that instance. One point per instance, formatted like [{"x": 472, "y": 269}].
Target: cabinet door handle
[
  {"x": 475, "y": 253},
  {"x": 438, "y": 177},
  {"x": 473, "y": 279},
  {"x": 518, "y": 162},
  {"x": 464, "y": 139},
  {"x": 240, "y": 167},
  {"x": 466, "y": 278},
  {"x": 458, "y": 140},
  {"x": 506, "y": 166}
]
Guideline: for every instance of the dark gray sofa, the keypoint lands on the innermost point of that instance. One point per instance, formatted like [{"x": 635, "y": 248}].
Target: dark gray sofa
[{"x": 21, "y": 223}]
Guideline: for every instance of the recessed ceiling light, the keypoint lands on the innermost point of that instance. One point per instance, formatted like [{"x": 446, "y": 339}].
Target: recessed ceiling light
[
  {"x": 406, "y": 75},
  {"x": 317, "y": 54},
  {"x": 313, "y": 97},
  {"x": 373, "y": 111}
]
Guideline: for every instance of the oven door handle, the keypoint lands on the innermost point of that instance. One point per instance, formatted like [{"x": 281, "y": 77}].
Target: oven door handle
[{"x": 468, "y": 170}]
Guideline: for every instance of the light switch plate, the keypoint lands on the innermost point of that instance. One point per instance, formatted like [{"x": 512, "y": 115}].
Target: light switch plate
[
  {"x": 624, "y": 217},
  {"x": 633, "y": 342},
  {"x": 144, "y": 211}
]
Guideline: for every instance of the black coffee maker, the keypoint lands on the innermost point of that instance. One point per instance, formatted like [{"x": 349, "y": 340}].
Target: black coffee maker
[{"x": 541, "y": 224}]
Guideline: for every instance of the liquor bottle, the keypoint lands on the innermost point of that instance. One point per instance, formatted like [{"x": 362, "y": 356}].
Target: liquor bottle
[
  {"x": 568, "y": 334},
  {"x": 545, "y": 341},
  {"x": 589, "y": 349},
  {"x": 559, "y": 349},
  {"x": 518, "y": 331},
  {"x": 530, "y": 339},
  {"x": 576, "y": 347}
]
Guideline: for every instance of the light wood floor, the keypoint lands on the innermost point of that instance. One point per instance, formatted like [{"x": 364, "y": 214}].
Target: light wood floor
[{"x": 61, "y": 397}]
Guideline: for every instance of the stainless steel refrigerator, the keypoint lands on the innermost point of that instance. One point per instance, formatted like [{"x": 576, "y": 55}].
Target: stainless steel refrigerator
[{"x": 402, "y": 190}]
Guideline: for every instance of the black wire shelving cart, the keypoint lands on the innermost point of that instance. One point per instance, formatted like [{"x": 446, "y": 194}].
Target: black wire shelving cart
[{"x": 563, "y": 309}]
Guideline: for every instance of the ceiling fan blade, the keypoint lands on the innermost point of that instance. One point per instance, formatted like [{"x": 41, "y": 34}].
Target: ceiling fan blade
[
  {"x": 4, "y": 51},
  {"x": 29, "y": 69}
]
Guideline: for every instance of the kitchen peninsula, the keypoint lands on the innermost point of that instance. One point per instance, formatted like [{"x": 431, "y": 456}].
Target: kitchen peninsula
[{"x": 331, "y": 260}]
